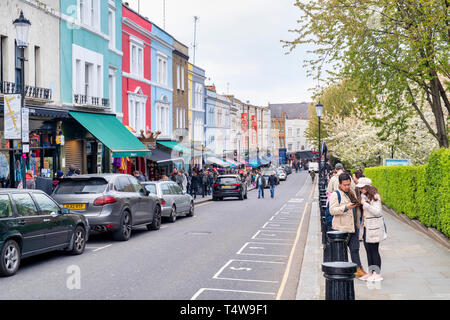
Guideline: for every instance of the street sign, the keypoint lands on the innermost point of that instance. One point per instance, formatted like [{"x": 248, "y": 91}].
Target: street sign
[
  {"x": 396, "y": 162},
  {"x": 25, "y": 125}
]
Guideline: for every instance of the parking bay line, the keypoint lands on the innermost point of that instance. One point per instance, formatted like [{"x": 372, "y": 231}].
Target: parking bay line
[
  {"x": 216, "y": 276},
  {"x": 261, "y": 248},
  {"x": 199, "y": 292},
  {"x": 101, "y": 248}
]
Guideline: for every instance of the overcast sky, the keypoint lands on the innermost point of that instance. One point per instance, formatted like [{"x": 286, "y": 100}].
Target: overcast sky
[{"x": 239, "y": 44}]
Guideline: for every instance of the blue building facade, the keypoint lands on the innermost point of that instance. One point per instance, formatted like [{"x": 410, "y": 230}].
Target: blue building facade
[{"x": 161, "y": 83}]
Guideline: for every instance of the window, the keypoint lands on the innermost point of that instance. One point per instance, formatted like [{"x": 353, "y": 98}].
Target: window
[
  {"x": 3, "y": 61},
  {"x": 151, "y": 188},
  {"x": 123, "y": 184},
  {"x": 73, "y": 186},
  {"x": 198, "y": 102},
  {"x": 178, "y": 77},
  {"x": 137, "y": 186},
  {"x": 176, "y": 189},
  {"x": 112, "y": 28},
  {"x": 136, "y": 57},
  {"x": 181, "y": 118},
  {"x": 18, "y": 54},
  {"x": 162, "y": 70},
  {"x": 137, "y": 114},
  {"x": 47, "y": 205},
  {"x": 165, "y": 189},
  {"x": 162, "y": 115},
  {"x": 182, "y": 78},
  {"x": 5, "y": 206},
  {"x": 298, "y": 146},
  {"x": 89, "y": 12},
  {"x": 24, "y": 204},
  {"x": 298, "y": 132},
  {"x": 87, "y": 79},
  {"x": 37, "y": 66},
  {"x": 112, "y": 88}
]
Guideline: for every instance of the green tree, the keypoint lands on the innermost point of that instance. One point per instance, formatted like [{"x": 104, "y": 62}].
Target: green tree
[{"x": 397, "y": 51}]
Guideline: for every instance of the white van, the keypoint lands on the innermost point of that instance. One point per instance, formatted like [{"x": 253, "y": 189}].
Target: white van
[{"x": 313, "y": 166}]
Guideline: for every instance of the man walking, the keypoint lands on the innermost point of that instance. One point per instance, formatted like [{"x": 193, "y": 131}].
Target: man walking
[
  {"x": 344, "y": 208},
  {"x": 272, "y": 183},
  {"x": 260, "y": 184}
]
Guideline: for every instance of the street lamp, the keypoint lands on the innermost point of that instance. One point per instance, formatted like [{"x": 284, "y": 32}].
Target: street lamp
[
  {"x": 22, "y": 27},
  {"x": 319, "y": 109}
]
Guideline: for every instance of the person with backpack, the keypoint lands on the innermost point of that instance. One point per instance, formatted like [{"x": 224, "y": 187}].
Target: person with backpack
[
  {"x": 343, "y": 206},
  {"x": 373, "y": 228}
]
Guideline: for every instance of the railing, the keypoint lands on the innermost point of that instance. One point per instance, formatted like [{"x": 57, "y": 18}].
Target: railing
[
  {"x": 81, "y": 99},
  {"x": 30, "y": 92}
]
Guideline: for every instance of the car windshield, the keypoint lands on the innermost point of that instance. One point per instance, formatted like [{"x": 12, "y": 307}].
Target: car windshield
[
  {"x": 227, "y": 180},
  {"x": 82, "y": 186},
  {"x": 280, "y": 171},
  {"x": 150, "y": 188}
]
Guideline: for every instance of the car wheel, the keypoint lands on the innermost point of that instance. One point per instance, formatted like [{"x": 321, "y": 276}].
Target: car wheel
[
  {"x": 173, "y": 215},
  {"x": 156, "y": 223},
  {"x": 10, "y": 259},
  {"x": 79, "y": 242},
  {"x": 124, "y": 231},
  {"x": 191, "y": 210}
]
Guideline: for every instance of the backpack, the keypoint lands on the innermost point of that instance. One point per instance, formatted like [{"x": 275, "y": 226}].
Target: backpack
[{"x": 328, "y": 216}]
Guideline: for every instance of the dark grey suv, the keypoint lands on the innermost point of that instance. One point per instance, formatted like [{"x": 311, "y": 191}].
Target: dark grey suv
[{"x": 110, "y": 202}]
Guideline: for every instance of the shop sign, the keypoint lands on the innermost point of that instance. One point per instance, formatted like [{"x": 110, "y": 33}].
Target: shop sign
[
  {"x": 25, "y": 125},
  {"x": 12, "y": 117}
]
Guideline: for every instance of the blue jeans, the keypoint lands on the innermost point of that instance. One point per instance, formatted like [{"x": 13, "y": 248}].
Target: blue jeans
[
  {"x": 260, "y": 191},
  {"x": 272, "y": 191}
]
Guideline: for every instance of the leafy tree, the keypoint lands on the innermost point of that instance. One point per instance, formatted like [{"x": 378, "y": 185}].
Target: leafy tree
[{"x": 397, "y": 51}]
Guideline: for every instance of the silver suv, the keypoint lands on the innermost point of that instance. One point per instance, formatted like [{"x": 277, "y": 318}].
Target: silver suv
[
  {"x": 173, "y": 200},
  {"x": 110, "y": 202}
]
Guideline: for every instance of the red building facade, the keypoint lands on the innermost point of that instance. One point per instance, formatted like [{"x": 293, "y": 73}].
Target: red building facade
[{"x": 136, "y": 73}]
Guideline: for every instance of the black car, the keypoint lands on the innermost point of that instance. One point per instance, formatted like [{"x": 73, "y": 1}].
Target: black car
[
  {"x": 32, "y": 223},
  {"x": 287, "y": 168},
  {"x": 229, "y": 186}
]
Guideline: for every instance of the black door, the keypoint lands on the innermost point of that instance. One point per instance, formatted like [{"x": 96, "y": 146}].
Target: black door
[
  {"x": 29, "y": 223},
  {"x": 58, "y": 232}
]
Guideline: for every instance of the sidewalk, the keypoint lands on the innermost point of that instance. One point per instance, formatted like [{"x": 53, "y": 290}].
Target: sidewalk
[{"x": 414, "y": 266}]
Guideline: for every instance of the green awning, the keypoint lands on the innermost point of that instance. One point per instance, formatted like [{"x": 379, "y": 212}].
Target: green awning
[
  {"x": 176, "y": 146},
  {"x": 112, "y": 133}
]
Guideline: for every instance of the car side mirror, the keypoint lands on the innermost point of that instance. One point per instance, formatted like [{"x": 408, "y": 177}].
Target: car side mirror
[{"x": 65, "y": 211}]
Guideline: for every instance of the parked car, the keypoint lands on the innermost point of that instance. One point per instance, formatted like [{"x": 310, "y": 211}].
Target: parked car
[
  {"x": 266, "y": 174},
  {"x": 229, "y": 186},
  {"x": 281, "y": 174},
  {"x": 287, "y": 168},
  {"x": 32, "y": 223},
  {"x": 110, "y": 202},
  {"x": 173, "y": 200}
]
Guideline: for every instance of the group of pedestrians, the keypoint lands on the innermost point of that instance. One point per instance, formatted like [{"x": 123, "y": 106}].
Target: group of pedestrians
[
  {"x": 261, "y": 184},
  {"x": 355, "y": 207}
]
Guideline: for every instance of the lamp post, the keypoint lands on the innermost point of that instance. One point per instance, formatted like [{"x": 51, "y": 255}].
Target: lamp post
[
  {"x": 319, "y": 109},
  {"x": 22, "y": 27}
]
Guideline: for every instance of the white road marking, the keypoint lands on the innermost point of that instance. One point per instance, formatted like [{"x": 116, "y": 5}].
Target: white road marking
[
  {"x": 101, "y": 248},
  {"x": 199, "y": 292}
]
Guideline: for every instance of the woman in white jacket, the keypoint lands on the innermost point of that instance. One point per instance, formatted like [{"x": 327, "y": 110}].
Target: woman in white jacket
[{"x": 373, "y": 228}]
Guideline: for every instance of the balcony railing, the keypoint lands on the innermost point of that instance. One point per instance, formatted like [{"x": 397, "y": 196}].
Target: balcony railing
[
  {"x": 30, "y": 92},
  {"x": 88, "y": 101}
]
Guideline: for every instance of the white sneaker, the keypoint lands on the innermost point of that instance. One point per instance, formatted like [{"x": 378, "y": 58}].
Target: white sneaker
[
  {"x": 375, "y": 277},
  {"x": 365, "y": 277}
]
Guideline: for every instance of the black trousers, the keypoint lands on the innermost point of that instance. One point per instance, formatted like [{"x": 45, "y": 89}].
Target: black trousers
[
  {"x": 373, "y": 255},
  {"x": 353, "y": 245}
]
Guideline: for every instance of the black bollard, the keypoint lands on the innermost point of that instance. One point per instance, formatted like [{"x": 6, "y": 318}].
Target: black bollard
[
  {"x": 339, "y": 280},
  {"x": 338, "y": 245}
]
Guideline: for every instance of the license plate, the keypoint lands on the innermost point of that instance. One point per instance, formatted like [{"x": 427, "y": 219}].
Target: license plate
[
  {"x": 75, "y": 206},
  {"x": 226, "y": 187}
]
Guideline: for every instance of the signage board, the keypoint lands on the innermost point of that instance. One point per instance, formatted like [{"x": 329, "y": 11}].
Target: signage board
[
  {"x": 12, "y": 117},
  {"x": 25, "y": 125},
  {"x": 396, "y": 162}
]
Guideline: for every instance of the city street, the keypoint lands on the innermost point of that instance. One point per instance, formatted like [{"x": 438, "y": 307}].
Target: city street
[{"x": 230, "y": 249}]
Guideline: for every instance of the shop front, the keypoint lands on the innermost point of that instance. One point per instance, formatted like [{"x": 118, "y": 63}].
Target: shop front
[
  {"x": 100, "y": 143},
  {"x": 44, "y": 154}
]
